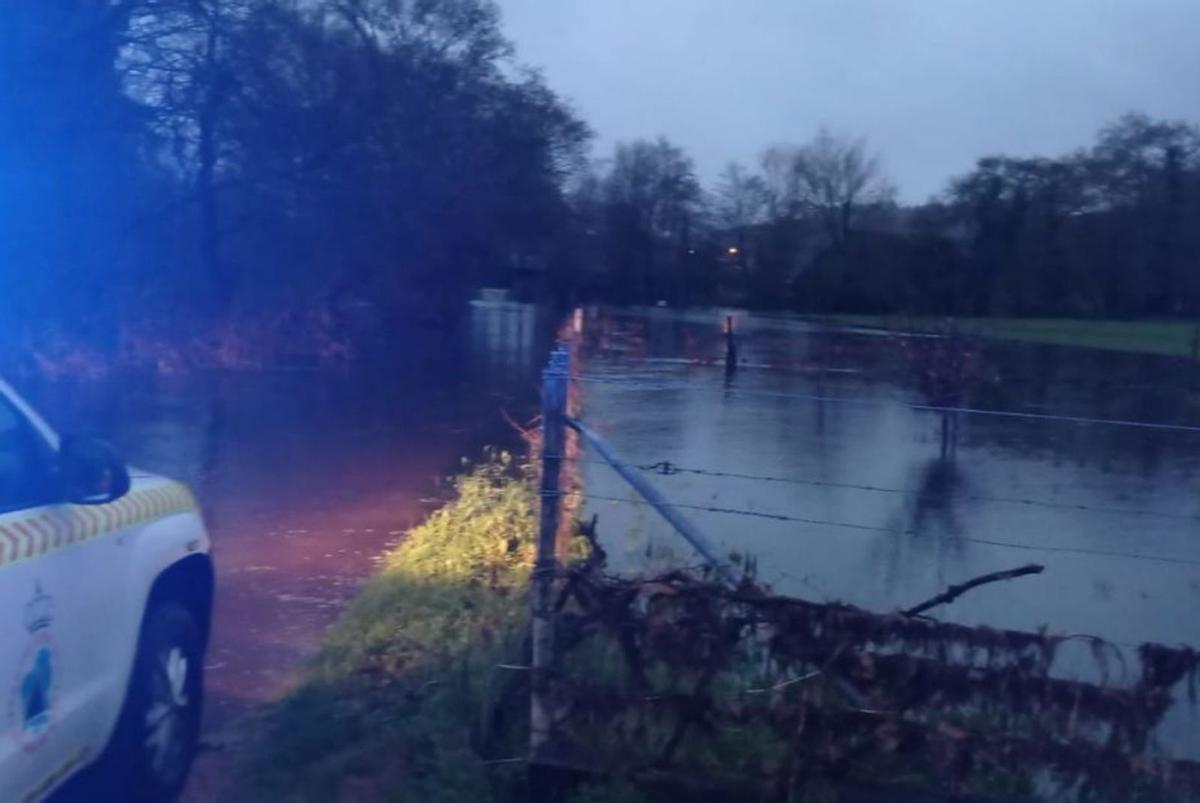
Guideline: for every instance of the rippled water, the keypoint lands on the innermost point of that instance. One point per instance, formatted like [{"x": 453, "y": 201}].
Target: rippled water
[
  {"x": 305, "y": 476},
  {"x": 883, "y": 516}
]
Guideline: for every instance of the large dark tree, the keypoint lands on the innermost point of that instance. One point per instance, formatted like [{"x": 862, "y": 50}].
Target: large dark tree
[
  {"x": 651, "y": 206},
  {"x": 71, "y": 176},
  {"x": 216, "y": 158},
  {"x": 1098, "y": 232}
]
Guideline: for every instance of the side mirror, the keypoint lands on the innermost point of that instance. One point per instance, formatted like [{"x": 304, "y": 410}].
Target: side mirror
[{"x": 92, "y": 472}]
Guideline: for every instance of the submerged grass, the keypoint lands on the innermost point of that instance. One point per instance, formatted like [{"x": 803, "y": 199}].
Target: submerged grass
[
  {"x": 400, "y": 703},
  {"x": 1172, "y": 338}
]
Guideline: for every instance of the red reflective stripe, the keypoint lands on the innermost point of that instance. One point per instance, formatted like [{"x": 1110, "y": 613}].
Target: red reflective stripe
[
  {"x": 57, "y": 536},
  {"x": 40, "y": 530},
  {"x": 26, "y": 535},
  {"x": 14, "y": 544},
  {"x": 28, "y": 527}
]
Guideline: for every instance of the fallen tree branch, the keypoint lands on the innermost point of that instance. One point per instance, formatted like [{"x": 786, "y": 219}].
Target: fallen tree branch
[{"x": 955, "y": 591}]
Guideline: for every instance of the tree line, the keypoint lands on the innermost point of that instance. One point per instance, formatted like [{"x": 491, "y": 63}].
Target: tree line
[
  {"x": 186, "y": 160},
  {"x": 189, "y": 160},
  {"x": 1108, "y": 230}
]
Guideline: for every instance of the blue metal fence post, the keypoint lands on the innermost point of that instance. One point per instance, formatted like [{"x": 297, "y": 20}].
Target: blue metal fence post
[{"x": 554, "y": 416}]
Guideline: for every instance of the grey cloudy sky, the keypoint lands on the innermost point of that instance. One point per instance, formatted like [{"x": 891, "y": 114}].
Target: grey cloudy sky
[{"x": 933, "y": 84}]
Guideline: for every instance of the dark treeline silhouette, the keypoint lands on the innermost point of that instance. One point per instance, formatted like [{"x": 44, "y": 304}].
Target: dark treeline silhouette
[
  {"x": 184, "y": 161},
  {"x": 1106, "y": 231},
  {"x": 167, "y": 164}
]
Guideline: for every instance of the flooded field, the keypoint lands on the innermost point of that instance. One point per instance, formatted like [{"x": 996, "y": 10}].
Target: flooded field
[
  {"x": 818, "y": 458},
  {"x": 827, "y": 469}
]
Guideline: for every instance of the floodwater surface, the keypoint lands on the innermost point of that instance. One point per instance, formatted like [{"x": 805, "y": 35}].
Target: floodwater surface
[
  {"x": 305, "y": 477},
  {"x": 815, "y": 459},
  {"x": 821, "y": 470}
]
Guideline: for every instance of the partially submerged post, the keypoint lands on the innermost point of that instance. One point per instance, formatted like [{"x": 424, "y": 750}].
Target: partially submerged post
[
  {"x": 730, "y": 346},
  {"x": 554, "y": 407}
]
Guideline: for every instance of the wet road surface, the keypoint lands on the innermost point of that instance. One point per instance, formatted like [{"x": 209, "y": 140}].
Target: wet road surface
[{"x": 305, "y": 478}]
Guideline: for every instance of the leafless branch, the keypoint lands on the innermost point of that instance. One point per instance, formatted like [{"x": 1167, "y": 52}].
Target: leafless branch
[{"x": 955, "y": 591}]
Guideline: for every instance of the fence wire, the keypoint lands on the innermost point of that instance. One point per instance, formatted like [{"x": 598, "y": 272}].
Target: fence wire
[
  {"x": 667, "y": 469},
  {"x": 638, "y": 384},
  {"x": 788, "y": 518}
]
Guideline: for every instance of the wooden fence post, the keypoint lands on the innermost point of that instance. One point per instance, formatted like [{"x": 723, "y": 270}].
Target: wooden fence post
[
  {"x": 731, "y": 357},
  {"x": 554, "y": 408}
]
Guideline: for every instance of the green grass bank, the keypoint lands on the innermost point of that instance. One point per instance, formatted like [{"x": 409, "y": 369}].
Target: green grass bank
[
  {"x": 1171, "y": 338},
  {"x": 400, "y": 703}
]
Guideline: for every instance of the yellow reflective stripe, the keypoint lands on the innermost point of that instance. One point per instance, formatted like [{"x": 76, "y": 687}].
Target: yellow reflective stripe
[
  {"x": 91, "y": 521},
  {"x": 155, "y": 497},
  {"x": 57, "y": 528}
]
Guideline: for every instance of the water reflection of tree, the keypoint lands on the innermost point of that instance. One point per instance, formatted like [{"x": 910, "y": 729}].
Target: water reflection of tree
[
  {"x": 930, "y": 523},
  {"x": 935, "y": 504},
  {"x": 945, "y": 367},
  {"x": 1089, "y": 383}
]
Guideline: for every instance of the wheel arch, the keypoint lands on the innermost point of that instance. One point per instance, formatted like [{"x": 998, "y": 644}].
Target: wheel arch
[{"x": 192, "y": 583}]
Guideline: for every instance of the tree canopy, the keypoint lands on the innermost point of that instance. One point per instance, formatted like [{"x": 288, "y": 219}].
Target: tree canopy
[
  {"x": 176, "y": 161},
  {"x": 212, "y": 156}
]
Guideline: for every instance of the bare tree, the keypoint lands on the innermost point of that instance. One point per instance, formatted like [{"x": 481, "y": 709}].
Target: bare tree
[
  {"x": 652, "y": 197},
  {"x": 177, "y": 61},
  {"x": 780, "y": 188},
  {"x": 835, "y": 176},
  {"x": 738, "y": 205},
  {"x": 740, "y": 198}
]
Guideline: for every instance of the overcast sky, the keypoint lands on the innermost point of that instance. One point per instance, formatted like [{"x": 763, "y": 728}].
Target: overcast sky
[{"x": 933, "y": 84}]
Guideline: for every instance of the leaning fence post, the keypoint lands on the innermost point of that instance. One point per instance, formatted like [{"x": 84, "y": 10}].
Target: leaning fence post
[{"x": 554, "y": 408}]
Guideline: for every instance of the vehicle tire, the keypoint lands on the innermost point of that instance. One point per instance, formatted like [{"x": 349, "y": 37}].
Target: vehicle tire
[{"x": 159, "y": 729}]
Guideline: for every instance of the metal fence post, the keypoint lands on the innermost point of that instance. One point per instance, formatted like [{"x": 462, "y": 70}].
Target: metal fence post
[{"x": 554, "y": 408}]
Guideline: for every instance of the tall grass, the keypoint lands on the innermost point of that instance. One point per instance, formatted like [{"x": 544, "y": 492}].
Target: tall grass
[{"x": 400, "y": 703}]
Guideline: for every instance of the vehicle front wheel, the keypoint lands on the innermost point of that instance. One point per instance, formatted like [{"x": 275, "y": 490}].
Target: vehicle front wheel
[{"x": 160, "y": 726}]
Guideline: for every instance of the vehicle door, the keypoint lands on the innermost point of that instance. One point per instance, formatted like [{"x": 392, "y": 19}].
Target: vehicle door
[{"x": 55, "y": 573}]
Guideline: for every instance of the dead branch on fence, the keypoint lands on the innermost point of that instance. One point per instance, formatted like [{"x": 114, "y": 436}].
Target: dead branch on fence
[
  {"x": 955, "y": 591},
  {"x": 681, "y": 675}
]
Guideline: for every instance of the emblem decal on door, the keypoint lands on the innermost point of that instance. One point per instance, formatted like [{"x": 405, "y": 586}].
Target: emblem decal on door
[{"x": 31, "y": 703}]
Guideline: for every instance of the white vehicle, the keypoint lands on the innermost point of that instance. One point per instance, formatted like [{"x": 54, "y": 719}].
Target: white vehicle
[{"x": 106, "y": 587}]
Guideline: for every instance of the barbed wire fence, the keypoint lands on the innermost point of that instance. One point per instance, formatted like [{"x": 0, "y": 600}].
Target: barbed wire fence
[{"x": 556, "y": 703}]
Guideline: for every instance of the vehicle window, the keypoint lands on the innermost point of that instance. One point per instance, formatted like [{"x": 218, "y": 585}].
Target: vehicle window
[{"x": 25, "y": 462}]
